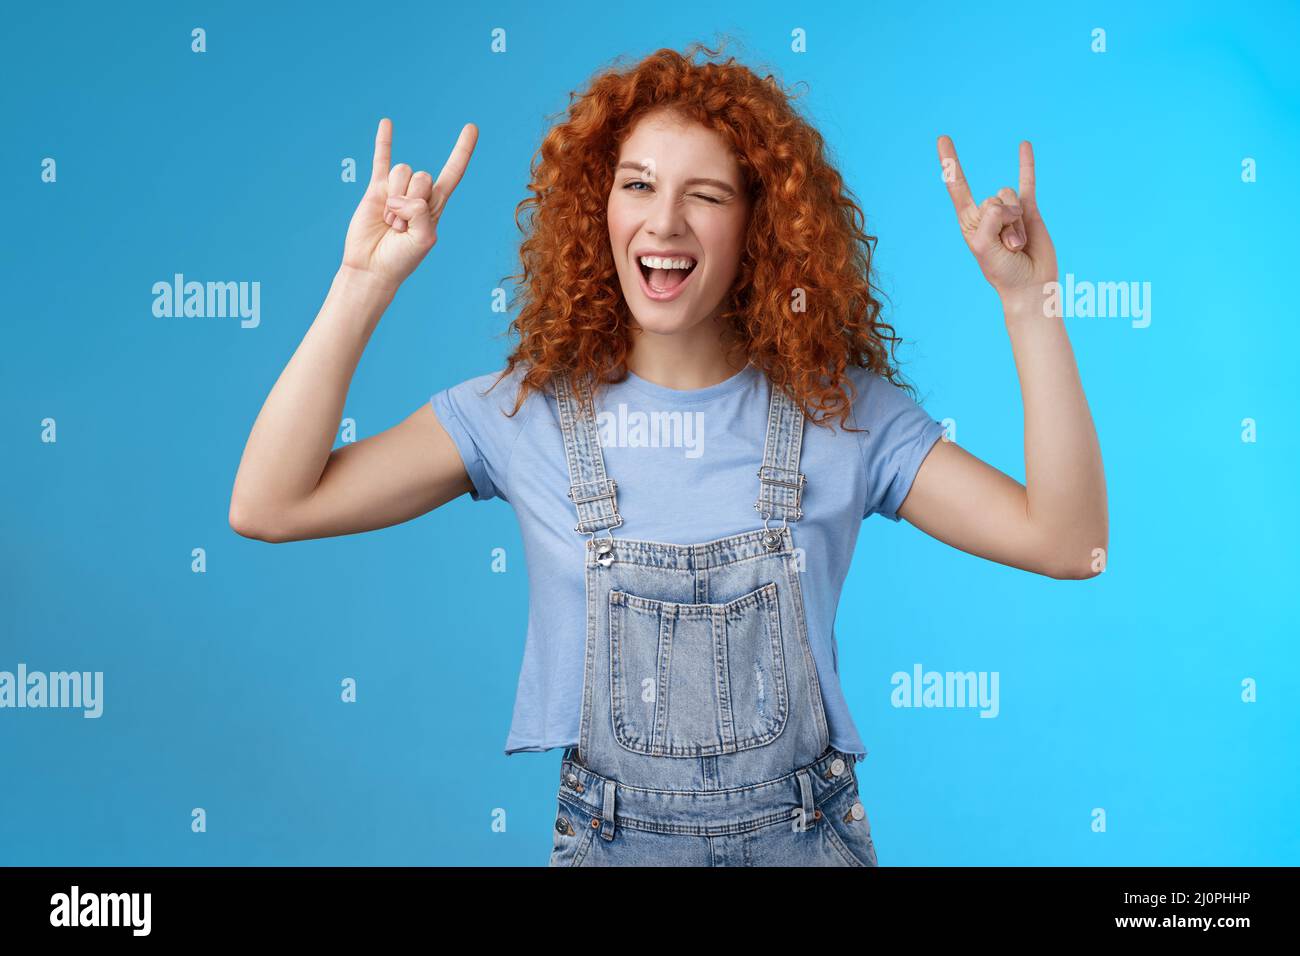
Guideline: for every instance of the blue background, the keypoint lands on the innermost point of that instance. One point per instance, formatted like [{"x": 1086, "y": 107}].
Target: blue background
[{"x": 222, "y": 688}]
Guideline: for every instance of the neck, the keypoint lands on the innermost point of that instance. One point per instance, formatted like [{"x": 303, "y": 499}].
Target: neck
[{"x": 686, "y": 360}]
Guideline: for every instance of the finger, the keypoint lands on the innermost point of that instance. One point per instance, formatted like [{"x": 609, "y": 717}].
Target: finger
[
  {"x": 954, "y": 178},
  {"x": 994, "y": 217},
  {"x": 383, "y": 151},
  {"x": 1035, "y": 228},
  {"x": 454, "y": 168},
  {"x": 398, "y": 177},
  {"x": 393, "y": 214},
  {"x": 420, "y": 186},
  {"x": 1013, "y": 236},
  {"x": 1028, "y": 197}
]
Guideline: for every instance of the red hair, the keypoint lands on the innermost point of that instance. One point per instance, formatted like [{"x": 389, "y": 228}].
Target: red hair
[{"x": 805, "y": 242}]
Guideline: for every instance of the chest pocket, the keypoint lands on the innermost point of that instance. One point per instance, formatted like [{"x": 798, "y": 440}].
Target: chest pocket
[{"x": 692, "y": 680}]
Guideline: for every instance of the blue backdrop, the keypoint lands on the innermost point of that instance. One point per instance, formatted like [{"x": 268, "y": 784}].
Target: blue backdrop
[{"x": 1149, "y": 714}]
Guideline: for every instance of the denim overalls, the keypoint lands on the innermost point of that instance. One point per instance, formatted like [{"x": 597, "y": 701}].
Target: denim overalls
[{"x": 703, "y": 738}]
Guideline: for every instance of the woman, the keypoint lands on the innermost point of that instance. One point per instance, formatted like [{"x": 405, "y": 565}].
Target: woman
[{"x": 696, "y": 288}]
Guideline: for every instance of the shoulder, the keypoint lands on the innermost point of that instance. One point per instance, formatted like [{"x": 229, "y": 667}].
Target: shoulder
[
  {"x": 480, "y": 416},
  {"x": 485, "y": 384},
  {"x": 877, "y": 401},
  {"x": 490, "y": 392},
  {"x": 897, "y": 434}
]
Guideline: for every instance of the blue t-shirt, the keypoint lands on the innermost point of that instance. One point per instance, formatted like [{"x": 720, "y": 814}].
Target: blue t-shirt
[{"x": 701, "y": 488}]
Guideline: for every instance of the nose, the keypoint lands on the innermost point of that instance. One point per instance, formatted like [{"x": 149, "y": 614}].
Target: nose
[{"x": 665, "y": 217}]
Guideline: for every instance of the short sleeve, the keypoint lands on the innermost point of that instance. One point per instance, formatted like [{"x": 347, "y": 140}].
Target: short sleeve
[
  {"x": 899, "y": 434},
  {"x": 477, "y": 422}
]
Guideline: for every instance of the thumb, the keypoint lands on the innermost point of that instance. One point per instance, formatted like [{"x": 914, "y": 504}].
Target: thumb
[
  {"x": 415, "y": 213},
  {"x": 993, "y": 218}
]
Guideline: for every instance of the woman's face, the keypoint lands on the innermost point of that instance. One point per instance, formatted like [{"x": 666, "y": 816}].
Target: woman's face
[{"x": 678, "y": 190}]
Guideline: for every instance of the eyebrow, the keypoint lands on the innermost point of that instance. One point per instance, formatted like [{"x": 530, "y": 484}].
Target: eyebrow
[{"x": 716, "y": 183}]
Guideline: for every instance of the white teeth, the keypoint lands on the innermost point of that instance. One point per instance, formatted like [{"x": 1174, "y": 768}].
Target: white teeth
[{"x": 658, "y": 262}]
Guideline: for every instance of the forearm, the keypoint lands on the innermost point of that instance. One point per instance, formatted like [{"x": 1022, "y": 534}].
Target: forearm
[
  {"x": 1064, "y": 480},
  {"x": 294, "y": 433}
]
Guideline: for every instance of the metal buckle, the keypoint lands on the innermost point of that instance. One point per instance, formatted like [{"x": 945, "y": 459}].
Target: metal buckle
[
  {"x": 613, "y": 490},
  {"x": 796, "y": 485},
  {"x": 617, "y": 524},
  {"x": 611, "y": 494},
  {"x": 772, "y": 539}
]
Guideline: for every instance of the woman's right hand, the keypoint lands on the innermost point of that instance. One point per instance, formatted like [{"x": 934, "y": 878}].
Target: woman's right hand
[{"x": 396, "y": 223}]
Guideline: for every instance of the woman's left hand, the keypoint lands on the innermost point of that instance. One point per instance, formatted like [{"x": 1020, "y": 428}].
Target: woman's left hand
[{"x": 1005, "y": 232}]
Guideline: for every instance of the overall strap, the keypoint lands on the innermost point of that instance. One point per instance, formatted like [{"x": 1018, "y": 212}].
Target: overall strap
[
  {"x": 592, "y": 492},
  {"x": 780, "y": 483}
]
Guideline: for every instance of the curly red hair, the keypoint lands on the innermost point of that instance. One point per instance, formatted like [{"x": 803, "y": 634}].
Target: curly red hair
[{"x": 805, "y": 242}]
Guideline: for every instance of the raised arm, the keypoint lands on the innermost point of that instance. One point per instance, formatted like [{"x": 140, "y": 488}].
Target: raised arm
[
  {"x": 1056, "y": 523},
  {"x": 292, "y": 484}
]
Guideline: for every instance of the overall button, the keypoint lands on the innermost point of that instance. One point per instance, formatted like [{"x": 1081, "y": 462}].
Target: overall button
[
  {"x": 771, "y": 540},
  {"x": 562, "y": 825},
  {"x": 837, "y": 767},
  {"x": 857, "y": 811},
  {"x": 605, "y": 552},
  {"x": 572, "y": 779}
]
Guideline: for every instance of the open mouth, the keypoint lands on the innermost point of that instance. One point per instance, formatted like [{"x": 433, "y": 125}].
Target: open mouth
[{"x": 664, "y": 284}]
